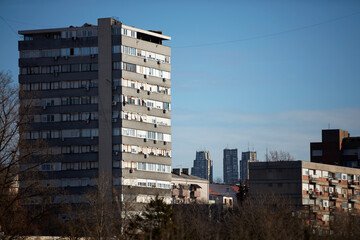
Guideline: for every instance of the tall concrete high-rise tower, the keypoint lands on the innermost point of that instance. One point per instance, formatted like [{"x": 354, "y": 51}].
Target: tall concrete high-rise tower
[
  {"x": 246, "y": 157},
  {"x": 203, "y": 166},
  {"x": 230, "y": 166},
  {"x": 103, "y": 104}
]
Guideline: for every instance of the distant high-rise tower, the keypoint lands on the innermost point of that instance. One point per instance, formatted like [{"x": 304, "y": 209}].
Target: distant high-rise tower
[
  {"x": 203, "y": 166},
  {"x": 246, "y": 157},
  {"x": 230, "y": 166}
]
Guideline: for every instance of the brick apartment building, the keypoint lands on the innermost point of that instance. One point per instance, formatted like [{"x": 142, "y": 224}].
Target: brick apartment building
[{"x": 337, "y": 148}]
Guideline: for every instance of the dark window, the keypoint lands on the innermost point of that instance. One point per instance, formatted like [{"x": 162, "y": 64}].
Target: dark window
[
  {"x": 94, "y": 67},
  {"x": 85, "y": 67},
  {"x": 75, "y": 68},
  {"x": 65, "y": 68}
]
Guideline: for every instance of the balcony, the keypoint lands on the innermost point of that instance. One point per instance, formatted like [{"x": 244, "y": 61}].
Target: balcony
[
  {"x": 175, "y": 192},
  {"x": 334, "y": 196},
  {"x": 184, "y": 193},
  {"x": 337, "y": 182},
  {"x": 319, "y": 209},
  {"x": 318, "y": 194},
  {"x": 353, "y": 184},
  {"x": 354, "y": 198},
  {"x": 313, "y": 179},
  {"x": 195, "y": 194}
]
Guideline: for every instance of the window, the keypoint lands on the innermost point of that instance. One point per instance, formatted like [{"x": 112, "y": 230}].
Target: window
[
  {"x": 85, "y": 67},
  {"x": 129, "y": 132},
  {"x": 28, "y": 37},
  {"x": 129, "y": 50},
  {"x": 65, "y": 52},
  {"x": 70, "y": 133},
  {"x": 77, "y": 51},
  {"x": 50, "y": 118},
  {"x": 45, "y": 86},
  {"x": 116, "y": 31},
  {"x": 54, "y": 85},
  {"x": 65, "y": 68},
  {"x": 85, "y": 132},
  {"x": 85, "y": 51},
  {"x": 75, "y": 67},
  {"x": 50, "y": 53},
  {"x": 151, "y": 135},
  {"x": 55, "y": 133},
  {"x": 94, "y": 50},
  {"x": 160, "y": 136},
  {"x": 141, "y": 184},
  {"x": 85, "y": 100},
  {"x": 116, "y": 49},
  {"x": 116, "y": 131},
  {"x": 94, "y": 67},
  {"x": 54, "y": 69},
  {"x": 166, "y": 106},
  {"x": 45, "y": 69},
  {"x": 129, "y": 67},
  {"x": 116, "y": 65},
  {"x": 75, "y": 100},
  {"x": 46, "y": 167}
]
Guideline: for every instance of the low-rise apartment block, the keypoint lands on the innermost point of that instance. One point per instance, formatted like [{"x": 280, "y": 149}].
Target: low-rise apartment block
[
  {"x": 187, "y": 188},
  {"x": 321, "y": 188}
]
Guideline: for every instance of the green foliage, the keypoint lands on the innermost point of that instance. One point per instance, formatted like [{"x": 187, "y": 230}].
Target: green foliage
[{"x": 154, "y": 221}]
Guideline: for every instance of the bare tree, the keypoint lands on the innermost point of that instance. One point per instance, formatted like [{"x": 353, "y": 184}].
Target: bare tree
[
  {"x": 218, "y": 180},
  {"x": 278, "y": 155},
  {"x": 100, "y": 215},
  {"x": 15, "y": 161}
]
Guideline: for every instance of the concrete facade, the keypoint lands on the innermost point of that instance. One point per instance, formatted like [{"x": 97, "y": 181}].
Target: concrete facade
[
  {"x": 103, "y": 105},
  {"x": 321, "y": 188},
  {"x": 230, "y": 166},
  {"x": 189, "y": 189},
  {"x": 246, "y": 158},
  {"x": 203, "y": 166}
]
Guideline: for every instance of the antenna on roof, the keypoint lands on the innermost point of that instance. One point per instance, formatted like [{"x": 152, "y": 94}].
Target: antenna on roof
[
  {"x": 328, "y": 125},
  {"x": 248, "y": 146}
]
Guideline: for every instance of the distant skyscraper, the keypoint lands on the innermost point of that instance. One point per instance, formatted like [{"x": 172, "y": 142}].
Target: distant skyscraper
[
  {"x": 230, "y": 166},
  {"x": 203, "y": 166},
  {"x": 246, "y": 157}
]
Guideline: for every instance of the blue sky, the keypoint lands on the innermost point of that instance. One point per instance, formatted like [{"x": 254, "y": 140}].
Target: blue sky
[{"x": 269, "y": 74}]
